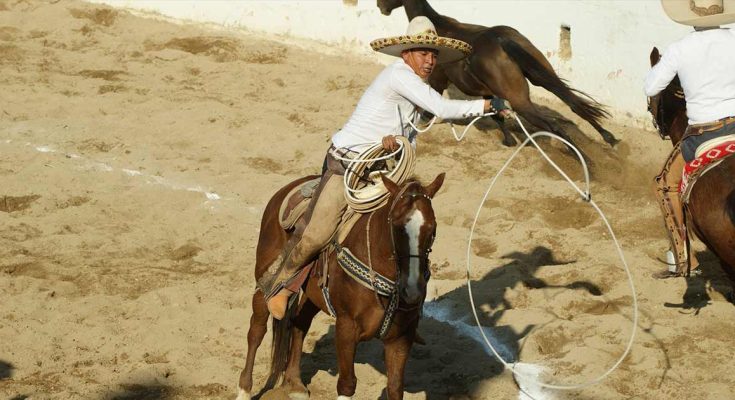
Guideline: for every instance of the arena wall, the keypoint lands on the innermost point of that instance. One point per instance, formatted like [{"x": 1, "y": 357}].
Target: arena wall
[{"x": 600, "y": 46}]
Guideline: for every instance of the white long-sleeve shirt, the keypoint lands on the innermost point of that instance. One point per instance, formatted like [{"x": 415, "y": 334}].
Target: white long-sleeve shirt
[
  {"x": 705, "y": 63},
  {"x": 397, "y": 87}
]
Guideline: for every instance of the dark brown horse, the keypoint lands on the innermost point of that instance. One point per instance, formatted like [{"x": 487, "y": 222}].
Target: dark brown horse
[
  {"x": 501, "y": 61},
  {"x": 711, "y": 205},
  {"x": 395, "y": 240}
]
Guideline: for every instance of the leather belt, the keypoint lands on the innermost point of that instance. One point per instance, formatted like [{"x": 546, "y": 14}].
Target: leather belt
[
  {"x": 342, "y": 152},
  {"x": 710, "y": 126}
]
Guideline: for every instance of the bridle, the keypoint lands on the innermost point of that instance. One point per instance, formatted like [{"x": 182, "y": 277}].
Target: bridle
[
  {"x": 422, "y": 256},
  {"x": 394, "y": 299},
  {"x": 402, "y": 194},
  {"x": 658, "y": 118}
]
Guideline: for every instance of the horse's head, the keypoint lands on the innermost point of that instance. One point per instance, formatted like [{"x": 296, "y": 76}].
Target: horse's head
[
  {"x": 668, "y": 108},
  {"x": 386, "y": 6},
  {"x": 413, "y": 228}
]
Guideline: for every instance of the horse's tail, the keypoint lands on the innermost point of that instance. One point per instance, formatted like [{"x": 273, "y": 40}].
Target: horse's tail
[
  {"x": 281, "y": 345},
  {"x": 587, "y": 108}
]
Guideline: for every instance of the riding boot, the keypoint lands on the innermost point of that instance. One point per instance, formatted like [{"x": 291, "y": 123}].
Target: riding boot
[
  {"x": 667, "y": 194},
  {"x": 273, "y": 284}
]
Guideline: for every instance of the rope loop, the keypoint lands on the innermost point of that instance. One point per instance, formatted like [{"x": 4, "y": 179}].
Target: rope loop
[
  {"x": 587, "y": 197},
  {"x": 364, "y": 189}
]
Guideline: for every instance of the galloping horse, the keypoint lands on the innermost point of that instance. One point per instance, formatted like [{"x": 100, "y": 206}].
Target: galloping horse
[
  {"x": 501, "y": 61},
  {"x": 711, "y": 207},
  {"x": 393, "y": 241}
]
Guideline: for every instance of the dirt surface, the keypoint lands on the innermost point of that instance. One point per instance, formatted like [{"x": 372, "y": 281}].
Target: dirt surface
[{"x": 137, "y": 156}]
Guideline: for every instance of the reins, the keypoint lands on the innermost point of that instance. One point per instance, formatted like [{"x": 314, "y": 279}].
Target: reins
[
  {"x": 659, "y": 119},
  {"x": 394, "y": 296}
]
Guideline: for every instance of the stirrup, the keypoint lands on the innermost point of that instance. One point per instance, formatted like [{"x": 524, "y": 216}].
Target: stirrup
[{"x": 671, "y": 261}]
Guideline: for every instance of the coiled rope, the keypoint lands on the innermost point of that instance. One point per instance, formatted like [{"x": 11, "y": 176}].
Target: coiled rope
[
  {"x": 586, "y": 195},
  {"x": 365, "y": 195}
]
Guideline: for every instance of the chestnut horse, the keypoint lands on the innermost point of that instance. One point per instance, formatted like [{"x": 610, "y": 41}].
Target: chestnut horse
[
  {"x": 501, "y": 61},
  {"x": 394, "y": 241},
  {"x": 711, "y": 207}
]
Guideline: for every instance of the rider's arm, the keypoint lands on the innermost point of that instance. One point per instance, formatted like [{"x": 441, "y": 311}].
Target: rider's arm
[
  {"x": 662, "y": 73},
  {"x": 406, "y": 83}
]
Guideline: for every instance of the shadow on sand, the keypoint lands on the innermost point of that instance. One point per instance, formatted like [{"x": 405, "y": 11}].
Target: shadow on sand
[
  {"x": 451, "y": 334},
  {"x": 710, "y": 277}
]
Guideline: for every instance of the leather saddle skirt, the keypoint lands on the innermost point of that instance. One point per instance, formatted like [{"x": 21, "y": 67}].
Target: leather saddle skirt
[{"x": 296, "y": 203}]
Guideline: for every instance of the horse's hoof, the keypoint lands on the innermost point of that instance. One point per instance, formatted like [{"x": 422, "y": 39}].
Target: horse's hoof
[
  {"x": 243, "y": 395},
  {"x": 298, "y": 396},
  {"x": 664, "y": 275},
  {"x": 609, "y": 138},
  {"x": 509, "y": 142},
  {"x": 419, "y": 340},
  {"x": 344, "y": 397}
]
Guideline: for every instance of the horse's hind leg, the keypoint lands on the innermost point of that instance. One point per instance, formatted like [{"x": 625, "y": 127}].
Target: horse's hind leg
[
  {"x": 606, "y": 135},
  {"x": 508, "y": 139},
  {"x": 533, "y": 115},
  {"x": 258, "y": 328},
  {"x": 292, "y": 377}
]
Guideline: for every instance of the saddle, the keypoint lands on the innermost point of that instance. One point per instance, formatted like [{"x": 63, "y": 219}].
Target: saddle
[
  {"x": 292, "y": 210},
  {"x": 296, "y": 202},
  {"x": 708, "y": 155}
]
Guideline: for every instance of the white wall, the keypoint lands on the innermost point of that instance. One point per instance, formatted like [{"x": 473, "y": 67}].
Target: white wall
[{"x": 610, "y": 39}]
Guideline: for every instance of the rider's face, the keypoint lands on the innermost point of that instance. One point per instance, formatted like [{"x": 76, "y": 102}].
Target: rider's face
[{"x": 422, "y": 61}]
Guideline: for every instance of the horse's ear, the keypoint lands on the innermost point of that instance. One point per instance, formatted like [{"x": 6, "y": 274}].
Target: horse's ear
[
  {"x": 655, "y": 56},
  {"x": 434, "y": 186},
  {"x": 390, "y": 185}
]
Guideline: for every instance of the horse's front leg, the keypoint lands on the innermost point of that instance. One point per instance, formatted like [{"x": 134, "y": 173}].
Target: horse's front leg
[
  {"x": 396, "y": 354},
  {"x": 292, "y": 376},
  {"x": 346, "y": 341}
]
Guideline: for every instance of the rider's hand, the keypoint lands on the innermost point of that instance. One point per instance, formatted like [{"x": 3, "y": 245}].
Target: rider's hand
[
  {"x": 500, "y": 106},
  {"x": 390, "y": 143}
]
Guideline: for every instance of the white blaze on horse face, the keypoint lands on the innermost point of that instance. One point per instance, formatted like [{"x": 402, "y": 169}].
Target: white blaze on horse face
[{"x": 413, "y": 230}]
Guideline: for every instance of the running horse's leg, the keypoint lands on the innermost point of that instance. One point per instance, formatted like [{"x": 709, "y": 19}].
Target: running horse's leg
[
  {"x": 258, "y": 328},
  {"x": 301, "y": 325}
]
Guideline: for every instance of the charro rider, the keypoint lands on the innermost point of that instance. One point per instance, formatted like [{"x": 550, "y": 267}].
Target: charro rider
[
  {"x": 705, "y": 63},
  {"x": 401, "y": 86}
]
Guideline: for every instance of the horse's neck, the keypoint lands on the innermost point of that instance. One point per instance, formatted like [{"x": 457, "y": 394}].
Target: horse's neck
[
  {"x": 445, "y": 26},
  {"x": 415, "y": 8},
  {"x": 678, "y": 127},
  {"x": 373, "y": 231}
]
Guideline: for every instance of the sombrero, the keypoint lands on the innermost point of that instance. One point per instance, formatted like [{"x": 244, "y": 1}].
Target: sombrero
[
  {"x": 422, "y": 34},
  {"x": 704, "y": 13}
]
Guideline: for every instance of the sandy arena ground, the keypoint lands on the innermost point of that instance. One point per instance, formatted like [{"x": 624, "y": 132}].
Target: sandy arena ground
[{"x": 136, "y": 157}]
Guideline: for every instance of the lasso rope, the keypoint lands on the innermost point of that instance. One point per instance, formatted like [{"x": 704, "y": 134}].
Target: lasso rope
[
  {"x": 454, "y": 132},
  {"x": 587, "y": 197},
  {"x": 365, "y": 196},
  {"x": 373, "y": 155}
]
